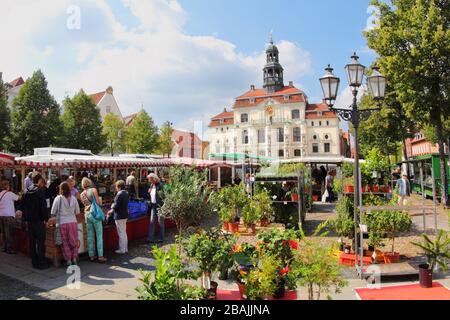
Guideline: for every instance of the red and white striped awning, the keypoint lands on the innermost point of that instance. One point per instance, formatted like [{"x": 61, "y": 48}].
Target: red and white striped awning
[
  {"x": 6, "y": 160},
  {"x": 88, "y": 162},
  {"x": 198, "y": 163}
]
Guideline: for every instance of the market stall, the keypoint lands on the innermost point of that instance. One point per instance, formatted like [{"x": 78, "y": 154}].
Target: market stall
[{"x": 104, "y": 171}]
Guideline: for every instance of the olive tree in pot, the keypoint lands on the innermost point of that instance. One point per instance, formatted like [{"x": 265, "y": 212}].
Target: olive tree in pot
[
  {"x": 437, "y": 253},
  {"x": 391, "y": 223},
  {"x": 186, "y": 202}
]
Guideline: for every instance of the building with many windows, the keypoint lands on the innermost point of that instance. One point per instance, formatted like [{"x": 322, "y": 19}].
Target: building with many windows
[{"x": 276, "y": 121}]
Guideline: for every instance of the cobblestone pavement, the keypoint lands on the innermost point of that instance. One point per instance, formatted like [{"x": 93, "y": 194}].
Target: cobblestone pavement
[{"x": 13, "y": 289}]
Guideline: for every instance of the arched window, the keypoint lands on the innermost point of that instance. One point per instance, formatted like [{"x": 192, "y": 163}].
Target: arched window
[{"x": 245, "y": 137}]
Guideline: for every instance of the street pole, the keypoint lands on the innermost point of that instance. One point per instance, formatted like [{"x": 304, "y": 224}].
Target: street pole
[{"x": 355, "y": 121}]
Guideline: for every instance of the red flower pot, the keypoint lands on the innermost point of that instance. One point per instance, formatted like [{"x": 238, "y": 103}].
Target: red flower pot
[
  {"x": 386, "y": 189},
  {"x": 294, "y": 197},
  {"x": 375, "y": 188},
  {"x": 241, "y": 288},
  {"x": 390, "y": 257},
  {"x": 315, "y": 197},
  {"x": 264, "y": 222},
  {"x": 349, "y": 189},
  {"x": 233, "y": 227},
  {"x": 225, "y": 226}
]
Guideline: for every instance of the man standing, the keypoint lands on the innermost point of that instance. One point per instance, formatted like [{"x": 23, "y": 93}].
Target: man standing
[
  {"x": 132, "y": 184},
  {"x": 28, "y": 182},
  {"x": 404, "y": 189},
  {"x": 120, "y": 211},
  {"x": 36, "y": 215}
]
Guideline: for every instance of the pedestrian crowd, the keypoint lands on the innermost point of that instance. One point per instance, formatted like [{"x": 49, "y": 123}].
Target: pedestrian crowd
[{"x": 62, "y": 206}]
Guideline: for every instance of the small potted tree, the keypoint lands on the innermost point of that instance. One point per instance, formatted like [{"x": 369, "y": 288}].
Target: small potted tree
[
  {"x": 250, "y": 216},
  {"x": 224, "y": 255},
  {"x": 264, "y": 207},
  {"x": 204, "y": 247},
  {"x": 391, "y": 223},
  {"x": 226, "y": 216},
  {"x": 437, "y": 253}
]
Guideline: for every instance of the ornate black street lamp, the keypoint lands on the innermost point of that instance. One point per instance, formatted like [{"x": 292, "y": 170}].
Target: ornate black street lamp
[{"x": 377, "y": 86}]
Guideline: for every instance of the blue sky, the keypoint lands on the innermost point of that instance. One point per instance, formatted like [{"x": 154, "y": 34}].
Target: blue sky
[{"x": 184, "y": 60}]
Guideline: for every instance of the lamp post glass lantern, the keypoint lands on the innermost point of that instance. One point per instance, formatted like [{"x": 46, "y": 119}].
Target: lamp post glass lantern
[
  {"x": 377, "y": 84},
  {"x": 355, "y": 72},
  {"x": 330, "y": 86}
]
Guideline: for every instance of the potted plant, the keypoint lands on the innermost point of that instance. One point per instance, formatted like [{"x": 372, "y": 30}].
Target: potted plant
[
  {"x": 293, "y": 193},
  {"x": 343, "y": 224},
  {"x": 264, "y": 207},
  {"x": 204, "y": 247},
  {"x": 391, "y": 223},
  {"x": 349, "y": 188},
  {"x": 225, "y": 255},
  {"x": 167, "y": 281},
  {"x": 250, "y": 216},
  {"x": 317, "y": 268},
  {"x": 283, "y": 246},
  {"x": 226, "y": 216},
  {"x": 437, "y": 253},
  {"x": 260, "y": 281}
]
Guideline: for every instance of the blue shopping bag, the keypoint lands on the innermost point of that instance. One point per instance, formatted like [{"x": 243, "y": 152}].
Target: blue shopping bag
[{"x": 96, "y": 211}]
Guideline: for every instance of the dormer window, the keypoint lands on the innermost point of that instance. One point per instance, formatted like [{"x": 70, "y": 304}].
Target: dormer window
[
  {"x": 319, "y": 113},
  {"x": 244, "y": 118},
  {"x": 252, "y": 100},
  {"x": 286, "y": 97}
]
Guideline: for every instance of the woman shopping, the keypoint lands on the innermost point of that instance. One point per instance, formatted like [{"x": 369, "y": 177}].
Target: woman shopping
[
  {"x": 94, "y": 225},
  {"x": 64, "y": 212}
]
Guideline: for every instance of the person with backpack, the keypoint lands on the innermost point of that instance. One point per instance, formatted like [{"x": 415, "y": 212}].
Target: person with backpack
[
  {"x": 7, "y": 215},
  {"x": 64, "y": 212},
  {"x": 94, "y": 225},
  {"x": 35, "y": 214}
]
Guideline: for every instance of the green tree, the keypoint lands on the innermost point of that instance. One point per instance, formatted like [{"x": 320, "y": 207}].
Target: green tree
[
  {"x": 35, "y": 117},
  {"x": 114, "y": 132},
  {"x": 412, "y": 39},
  {"x": 82, "y": 123},
  {"x": 5, "y": 119},
  {"x": 142, "y": 135},
  {"x": 165, "y": 139},
  {"x": 386, "y": 129}
]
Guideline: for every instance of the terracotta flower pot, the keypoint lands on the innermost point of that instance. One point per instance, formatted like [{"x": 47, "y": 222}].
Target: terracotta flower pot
[
  {"x": 251, "y": 228},
  {"x": 241, "y": 288},
  {"x": 233, "y": 227},
  {"x": 294, "y": 197},
  {"x": 315, "y": 197},
  {"x": 375, "y": 188},
  {"x": 264, "y": 222},
  {"x": 390, "y": 257},
  {"x": 349, "y": 189},
  {"x": 386, "y": 189},
  {"x": 225, "y": 226}
]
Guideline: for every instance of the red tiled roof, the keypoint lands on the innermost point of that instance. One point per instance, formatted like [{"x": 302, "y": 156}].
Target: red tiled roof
[
  {"x": 96, "y": 97},
  {"x": 313, "y": 109},
  {"x": 263, "y": 93},
  {"x": 225, "y": 118},
  {"x": 260, "y": 95},
  {"x": 17, "y": 82},
  {"x": 129, "y": 119},
  {"x": 224, "y": 115}
]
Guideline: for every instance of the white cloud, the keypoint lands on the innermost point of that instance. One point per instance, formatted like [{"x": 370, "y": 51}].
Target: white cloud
[{"x": 176, "y": 76}]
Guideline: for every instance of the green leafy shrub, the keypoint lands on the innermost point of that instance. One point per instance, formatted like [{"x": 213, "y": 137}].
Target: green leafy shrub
[
  {"x": 437, "y": 251},
  {"x": 263, "y": 203},
  {"x": 167, "y": 281},
  {"x": 261, "y": 281}
]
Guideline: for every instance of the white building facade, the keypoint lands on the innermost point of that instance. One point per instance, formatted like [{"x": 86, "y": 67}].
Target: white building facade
[
  {"x": 106, "y": 102},
  {"x": 276, "y": 121}
]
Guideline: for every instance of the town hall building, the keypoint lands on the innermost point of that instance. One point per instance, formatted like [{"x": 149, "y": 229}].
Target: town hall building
[{"x": 276, "y": 121}]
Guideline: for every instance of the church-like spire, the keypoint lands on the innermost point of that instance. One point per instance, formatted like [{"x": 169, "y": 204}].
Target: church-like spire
[{"x": 273, "y": 71}]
